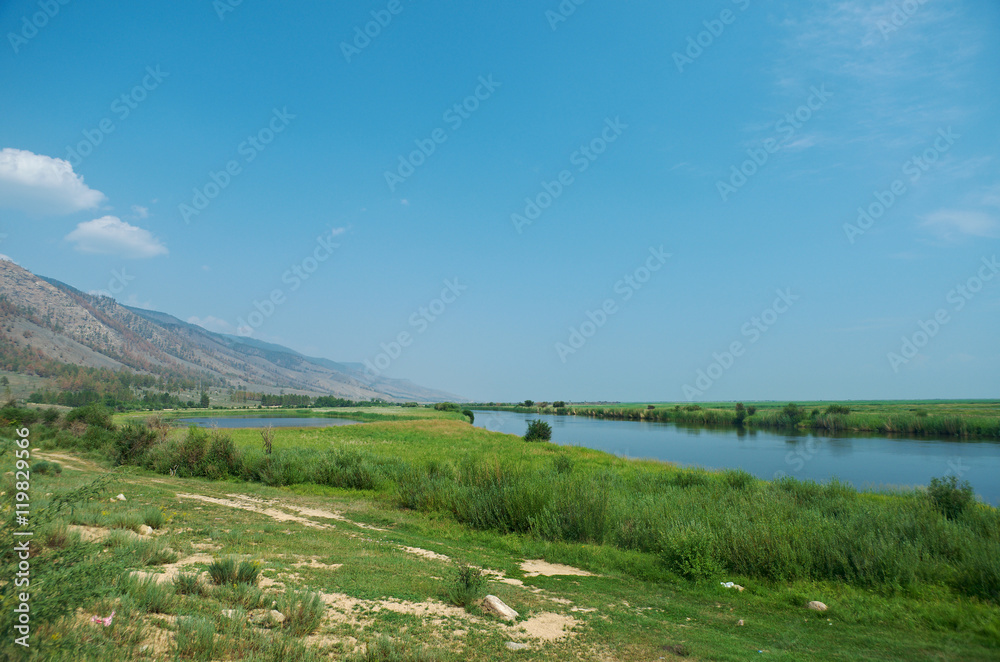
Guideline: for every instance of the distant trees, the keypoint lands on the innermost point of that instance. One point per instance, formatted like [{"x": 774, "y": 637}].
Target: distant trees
[
  {"x": 204, "y": 400},
  {"x": 528, "y": 403},
  {"x": 558, "y": 404}
]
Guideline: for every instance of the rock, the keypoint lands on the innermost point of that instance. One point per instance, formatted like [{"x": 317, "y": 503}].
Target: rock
[
  {"x": 229, "y": 613},
  {"x": 120, "y": 497},
  {"x": 145, "y": 530},
  {"x": 815, "y": 605},
  {"x": 740, "y": 622},
  {"x": 495, "y": 605},
  {"x": 514, "y": 646},
  {"x": 276, "y": 616}
]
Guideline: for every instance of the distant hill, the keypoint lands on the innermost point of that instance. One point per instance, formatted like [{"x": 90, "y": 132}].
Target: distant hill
[{"x": 44, "y": 319}]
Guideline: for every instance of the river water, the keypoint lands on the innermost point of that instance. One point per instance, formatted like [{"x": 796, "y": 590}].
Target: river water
[{"x": 865, "y": 461}]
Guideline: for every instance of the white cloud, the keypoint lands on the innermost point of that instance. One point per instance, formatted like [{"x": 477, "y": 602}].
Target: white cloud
[
  {"x": 6, "y": 258},
  {"x": 211, "y": 323},
  {"x": 43, "y": 185},
  {"x": 140, "y": 211},
  {"x": 109, "y": 235},
  {"x": 953, "y": 224}
]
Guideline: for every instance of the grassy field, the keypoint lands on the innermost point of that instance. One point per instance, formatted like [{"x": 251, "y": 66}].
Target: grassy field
[
  {"x": 359, "y": 533},
  {"x": 932, "y": 418}
]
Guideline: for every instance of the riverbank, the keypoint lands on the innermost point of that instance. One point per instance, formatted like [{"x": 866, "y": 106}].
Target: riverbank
[
  {"x": 930, "y": 418},
  {"x": 906, "y": 574}
]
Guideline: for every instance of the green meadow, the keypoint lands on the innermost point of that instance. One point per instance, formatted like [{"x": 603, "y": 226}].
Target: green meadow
[{"x": 377, "y": 541}]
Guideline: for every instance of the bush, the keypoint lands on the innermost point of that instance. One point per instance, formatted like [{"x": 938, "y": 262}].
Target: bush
[
  {"x": 468, "y": 584},
  {"x": 230, "y": 571},
  {"x": 689, "y": 551},
  {"x": 838, "y": 409},
  {"x": 538, "y": 430},
  {"x": 468, "y": 412},
  {"x": 93, "y": 415},
  {"x": 221, "y": 459},
  {"x": 562, "y": 463},
  {"x": 153, "y": 517},
  {"x": 149, "y": 595},
  {"x": 44, "y": 467},
  {"x": 303, "y": 611},
  {"x": 188, "y": 583},
  {"x": 950, "y": 497},
  {"x": 131, "y": 443},
  {"x": 792, "y": 413}
]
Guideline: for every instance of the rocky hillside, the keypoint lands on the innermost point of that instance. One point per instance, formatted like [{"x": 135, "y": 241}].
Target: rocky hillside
[{"x": 43, "y": 319}]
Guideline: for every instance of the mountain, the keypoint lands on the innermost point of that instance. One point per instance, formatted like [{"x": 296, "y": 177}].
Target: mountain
[{"x": 42, "y": 319}]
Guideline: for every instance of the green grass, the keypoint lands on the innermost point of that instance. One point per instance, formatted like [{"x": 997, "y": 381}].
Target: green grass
[
  {"x": 901, "y": 577},
  {"x": 933, "y": 418}
]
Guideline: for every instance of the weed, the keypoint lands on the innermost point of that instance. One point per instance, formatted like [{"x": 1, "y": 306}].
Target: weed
[
  {"x": 468, "y": 584},
  {"x": 149, "y": 595},
  {"x": 303, "y": 611},
  {"x": 195, "y": 638},
  {"x": 188, "y": 583}
]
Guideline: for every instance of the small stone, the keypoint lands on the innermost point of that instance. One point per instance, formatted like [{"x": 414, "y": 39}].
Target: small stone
[
  {"x": 120, "y": 497},
  {"x": 495, "y": 605},
  {"x": 514, "y": 646},
  {"x": 740, "y": 622},
  {"x": 815, "y": 605},
  {"x": 145, "y": 530},
  {"x": 276, "y": 616}
]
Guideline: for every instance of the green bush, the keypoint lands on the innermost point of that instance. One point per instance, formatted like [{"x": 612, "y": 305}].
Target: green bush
[
  {"x": 950, "y": 497},
  {"x": 149, "y": 595},
  {"x": 471, "y": 416},
  {"x": 153, "y": 517},
  {"x": 689, "y": 551},
  {"x": 838, "y": 410},
  {"x": 538, "y": 430},
  {"x": 131, "y": 443},
  {"x": 188, "y": 583},
  {"x": 468, "y": 584},
  {"x": 93, "y": 415},
  {"x": 303, "y": 611},
  {"x": 44, "y": 467}
]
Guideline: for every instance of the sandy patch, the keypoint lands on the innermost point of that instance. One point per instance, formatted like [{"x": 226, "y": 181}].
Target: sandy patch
[
  {"x": 427, "y": 554},
  {"x": 255, "y": 506},
  {"x": 545, "y": 627},
  {"x": 89, "y": 533},
  {"x": 315, "y": 563},
  {"x": 69, "y": 461},
  {"x": 536, "y": 567},
  {"x": 171, "y": 570}
]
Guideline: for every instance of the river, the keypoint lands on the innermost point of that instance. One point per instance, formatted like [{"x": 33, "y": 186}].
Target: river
[{"x": 865, "y": 461}]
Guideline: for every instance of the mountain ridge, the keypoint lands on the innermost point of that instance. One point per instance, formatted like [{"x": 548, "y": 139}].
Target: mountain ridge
[{"x": 45, "y": 319}]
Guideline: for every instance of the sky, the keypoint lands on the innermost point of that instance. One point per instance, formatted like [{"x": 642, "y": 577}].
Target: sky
[{"x": 641, "y": 201}]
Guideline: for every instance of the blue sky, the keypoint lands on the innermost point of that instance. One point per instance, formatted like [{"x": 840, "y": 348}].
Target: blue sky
[{"x": 576, "y": 226}]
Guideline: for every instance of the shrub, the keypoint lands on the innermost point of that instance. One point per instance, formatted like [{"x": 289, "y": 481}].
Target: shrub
[
  {"x": 125, "y": 520},
  {"x": 221, "y": 458},
  {"x": 223, "y": 571},
  {"x": 192, "y": 450},
  {"x": 538, "y": 430},
  {"x": 50, "y": 416},
  {"x": 838, "y": 410},
  {"x": 558, "y": 404},
  {"x": 188, "y": 583},
  {"x": 792, "y": 413},
  {"x": 131, "y": 443},
  {"x": 690, "y": 551},
  {"x": 44, "y": 467},
  {"x": 92, "y": 415},
  {"x": 303, "y": 611},
  {"x": 153, "y": 517},
  {"x": 468, "y": 584},
  {"x": 950, "y": 497},
  {"x": 243, "y": 595},
  {"x": 472, "y": 417},
  {"x": 149, "y": 595}
]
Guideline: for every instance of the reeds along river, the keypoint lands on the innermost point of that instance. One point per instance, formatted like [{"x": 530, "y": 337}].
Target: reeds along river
[{"x": 865, "y": 461}]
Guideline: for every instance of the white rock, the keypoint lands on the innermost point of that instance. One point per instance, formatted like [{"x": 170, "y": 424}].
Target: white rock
[
  {"x": 495, "y": 605},
  {"x": 120, "y": 497},
  {"x": 514, "y": 646},
  {"x": 815, "y": 605},
  {"x": 145, "y": 530},
  {"x": 740, "y": 622},
  {"x": 276, "y": 616}
]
